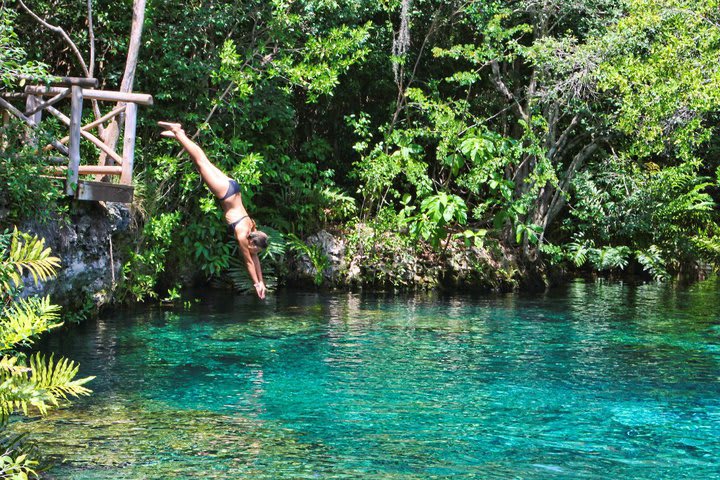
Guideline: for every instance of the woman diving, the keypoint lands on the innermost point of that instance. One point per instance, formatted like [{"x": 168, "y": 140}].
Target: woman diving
[{"x": 250, "y": 240}]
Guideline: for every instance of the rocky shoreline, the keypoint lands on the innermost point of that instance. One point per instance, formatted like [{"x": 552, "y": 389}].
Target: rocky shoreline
[{"x": 93, "y": 242}]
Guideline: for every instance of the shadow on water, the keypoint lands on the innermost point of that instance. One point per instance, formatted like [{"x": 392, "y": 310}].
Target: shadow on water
[{"x": 594, "y": 380}]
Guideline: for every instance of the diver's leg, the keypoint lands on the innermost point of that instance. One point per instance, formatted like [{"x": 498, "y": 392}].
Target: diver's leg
[{"x": 214, "y": 178}]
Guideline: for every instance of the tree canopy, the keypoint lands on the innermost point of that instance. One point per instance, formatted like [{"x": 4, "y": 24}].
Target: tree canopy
[{"x": 580, "y": 133}]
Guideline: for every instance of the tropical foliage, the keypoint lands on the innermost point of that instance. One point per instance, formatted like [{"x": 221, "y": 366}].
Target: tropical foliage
[
  {"x": 33, "y": 383},
  {"x": 13, "y": 59},
  {"x": 578, "y": 134}
]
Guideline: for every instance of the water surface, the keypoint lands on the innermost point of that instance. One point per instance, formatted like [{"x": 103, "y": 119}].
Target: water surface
[{"x": 589, "y": 381}]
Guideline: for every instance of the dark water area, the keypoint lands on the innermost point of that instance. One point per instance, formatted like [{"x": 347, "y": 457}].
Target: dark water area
[{"x": 593, "y": 380}]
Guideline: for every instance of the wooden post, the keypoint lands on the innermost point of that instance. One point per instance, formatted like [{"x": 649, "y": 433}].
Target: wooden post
[
  {"x": 129, "y": 144},
  {"x": 30, "y": 104},
  {"x": 74, "y": 145}
]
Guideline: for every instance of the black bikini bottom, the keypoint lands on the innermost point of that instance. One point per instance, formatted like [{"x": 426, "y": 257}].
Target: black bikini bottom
[
  {"x": 231, "y": 226},
  {"x": 233, "y": 189}
]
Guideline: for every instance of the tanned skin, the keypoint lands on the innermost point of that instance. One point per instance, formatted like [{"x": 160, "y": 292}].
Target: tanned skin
[{"x": 233, "y": 207}]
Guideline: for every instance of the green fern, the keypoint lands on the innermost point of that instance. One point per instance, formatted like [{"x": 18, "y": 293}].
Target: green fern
[
  {"x": 653, "y": 262},
  {"x": 578, "y": 253},
  {"x": 26, "y": 318},
  {"x": 57, "y": 378},
  {"x": 709, "y": 247},
  {"x": 26, "y": 253},
  {"x": 609, "y": 258},
  {"x": 314, "y": 253},
  {"x": 42, "y": 384}
]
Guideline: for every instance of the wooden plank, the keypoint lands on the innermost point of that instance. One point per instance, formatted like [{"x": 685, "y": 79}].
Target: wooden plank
[
  {"x": 97, "y": 122},
  {"x": 89, "y": 169},
  {"x": 74, "y": 145},
  {"x": 66, "y": 81},
  {"x": 17, "y": 113},
  {"x": 103, "y": 95},
  {"x": 105, "y": 118},
  {"x": 40, "y": 106},
  {"x": 129, "y": 144},
  {"x": 97, "y": 142},
  {"x": 103, "y": 191}
]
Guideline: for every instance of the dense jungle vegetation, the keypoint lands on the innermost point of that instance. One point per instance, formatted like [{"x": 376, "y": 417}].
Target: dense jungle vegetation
[
  {"x": 576, "y": 135},
  {"x": 580, "y": 135}
]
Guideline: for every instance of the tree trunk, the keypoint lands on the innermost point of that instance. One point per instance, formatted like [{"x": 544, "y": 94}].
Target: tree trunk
[
  {"x": 113, "y": 131},
  {"x": 551, "y": 199}
]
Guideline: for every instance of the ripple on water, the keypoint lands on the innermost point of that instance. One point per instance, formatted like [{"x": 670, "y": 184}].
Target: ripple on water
[{"x": 591, "y": 381}]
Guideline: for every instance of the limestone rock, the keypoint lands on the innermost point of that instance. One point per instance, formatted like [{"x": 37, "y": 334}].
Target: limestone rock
[{"x": 84, "y": 244}]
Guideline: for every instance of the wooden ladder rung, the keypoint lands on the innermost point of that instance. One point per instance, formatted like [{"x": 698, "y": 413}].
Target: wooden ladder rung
[{"x": 93, "y": 169}]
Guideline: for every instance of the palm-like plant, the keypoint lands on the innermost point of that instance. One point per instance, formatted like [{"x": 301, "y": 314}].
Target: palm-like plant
[
  {"x": 21, "y": 253},
  {"x": 35, "y": 382}
]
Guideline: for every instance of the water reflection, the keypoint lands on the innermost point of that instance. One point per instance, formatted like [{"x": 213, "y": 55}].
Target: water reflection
[{"x": 590, "y": 381}]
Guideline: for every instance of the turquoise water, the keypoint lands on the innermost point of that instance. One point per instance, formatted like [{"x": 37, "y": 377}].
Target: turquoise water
[{"x": 589, "y": 381}]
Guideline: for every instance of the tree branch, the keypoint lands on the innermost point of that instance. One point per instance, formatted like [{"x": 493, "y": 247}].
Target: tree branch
[
  {"x": 62, "y": 33},
  {"x": 91, "y": 39},
  {"x": 557, "y": 148},
  {"x": 505, "y": 91},
  {"x": 558, "y": 200},
  {"x": 91, "y": 67}
]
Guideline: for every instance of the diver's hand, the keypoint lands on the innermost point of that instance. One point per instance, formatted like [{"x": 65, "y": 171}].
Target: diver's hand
[
  {"x": 172, "y": 129},
  {"x": 260, "y": 289}
]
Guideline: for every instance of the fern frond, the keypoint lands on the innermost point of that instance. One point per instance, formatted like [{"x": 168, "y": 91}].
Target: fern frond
[
  {"x": 28, "y": 253},
  {"x": 41, "y": 385},
  {"x": 57, "y": 377},
  {"x": 653, "y": 262},
  {"x": 609, "y": 258},
  {"x": 25, "y": 319},
  {"x": 16, "y": 392},
  {"x": 9, "y": 366},
  {"x": 709, "y": 247},
  {"x": 578, "y": 253}
]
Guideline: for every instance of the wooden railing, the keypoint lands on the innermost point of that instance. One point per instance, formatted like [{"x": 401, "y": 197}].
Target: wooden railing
[{"x": 110, "y": 164}]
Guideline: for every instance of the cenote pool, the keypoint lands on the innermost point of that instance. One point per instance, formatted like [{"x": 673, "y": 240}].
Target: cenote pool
[{"x": 589, "y": 381}]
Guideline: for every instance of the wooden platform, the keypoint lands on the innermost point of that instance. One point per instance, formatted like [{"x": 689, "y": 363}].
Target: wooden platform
[
  {"x": 119, "y": 124},
  {"x": 104, "y": 191}
]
